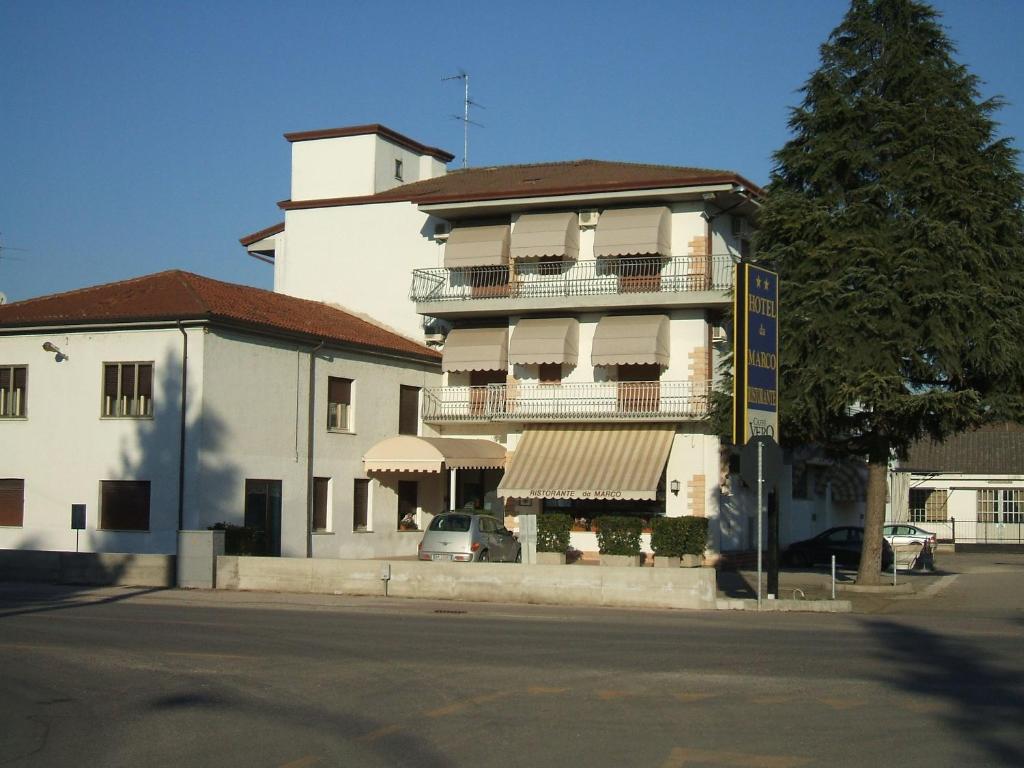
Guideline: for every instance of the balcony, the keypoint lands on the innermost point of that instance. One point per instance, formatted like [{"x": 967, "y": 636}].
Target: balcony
[
  {"x": 584, "y": 401},
  {"x": 685, "y": 281}
]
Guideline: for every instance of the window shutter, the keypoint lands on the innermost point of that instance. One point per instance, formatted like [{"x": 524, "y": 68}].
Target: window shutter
[
  {"x": 124, "y": 505},
  {"x": 146, "y": 381},
  {"x": 339, "y": 390},
  {"x": 110, "y": 381},
  {"x": 12, "y": 502},
  {"x": 320, "y": 488},
  {"x": 5, "y": 379},
  {"x": 409, "y": 411}
]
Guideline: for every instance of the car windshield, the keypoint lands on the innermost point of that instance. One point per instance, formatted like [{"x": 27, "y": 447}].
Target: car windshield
[{"x": 454, "y": 523}]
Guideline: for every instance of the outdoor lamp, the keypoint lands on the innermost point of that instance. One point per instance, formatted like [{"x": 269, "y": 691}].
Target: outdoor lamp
[{"x": 674, "y": 487}]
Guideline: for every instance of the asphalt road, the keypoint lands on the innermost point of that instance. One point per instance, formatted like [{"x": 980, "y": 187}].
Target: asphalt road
[{"x": 129, "y": 678}]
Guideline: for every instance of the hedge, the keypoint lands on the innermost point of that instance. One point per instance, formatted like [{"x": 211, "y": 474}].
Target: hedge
[
  {"x": 618, "y": 535},
  {"x": 240, "y": 540},
  {"x": 678, "y": 536},
  {"x": 553, "y": 532}
]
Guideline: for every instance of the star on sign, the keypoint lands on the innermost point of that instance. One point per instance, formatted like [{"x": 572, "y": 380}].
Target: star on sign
[
  {"x": 767, "y": 285},
  {"x": 757, "y": 279}
]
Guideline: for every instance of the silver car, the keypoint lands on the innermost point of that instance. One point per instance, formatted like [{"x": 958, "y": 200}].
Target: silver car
[{"x": 467, "y": 536}]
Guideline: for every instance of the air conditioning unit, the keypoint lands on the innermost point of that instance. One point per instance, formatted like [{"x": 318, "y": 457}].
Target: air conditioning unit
[
  {"x": 441, "y": 231},
  {"x": 589, "y": 218},
  {"x": 433, "y": 339},
  {"x": 718, "y": 335}
]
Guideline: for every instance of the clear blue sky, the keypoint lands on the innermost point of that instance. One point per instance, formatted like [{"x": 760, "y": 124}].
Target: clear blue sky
[{"x": 141, "y": 136}]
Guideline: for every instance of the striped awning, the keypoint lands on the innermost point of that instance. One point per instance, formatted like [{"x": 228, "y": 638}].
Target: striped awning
[
  {"x": 477, "y": 246},
  {"x": 631, "y": 340},
  {"x": 475, "y": 349},
  {"x": 406, "y": 453},
  {"x": 634, "y": 232},
  {"x": 588, "y": 461},
  {"x": 545, "y": 340},
  {"x": 537, "y": 235}
]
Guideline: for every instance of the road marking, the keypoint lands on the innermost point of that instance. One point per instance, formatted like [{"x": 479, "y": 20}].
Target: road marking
[
  {"x": 688, "y": 698},
  {"x": 841, "y": 704},
  {"x": 387, "y": 730},
  {"x": 538, "y": 690},
  {"x": 458, "y": 706},
  {"x": 681, "y": 756},
  {"x": 302, "y": 762}
]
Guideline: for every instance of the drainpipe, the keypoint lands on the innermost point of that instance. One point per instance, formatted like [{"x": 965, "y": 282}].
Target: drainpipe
[
  {"x": 309, "y": 448},
  {"x": 182, "y": 427}
]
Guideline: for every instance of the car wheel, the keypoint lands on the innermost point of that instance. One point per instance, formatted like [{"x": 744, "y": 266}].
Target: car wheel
[
  {"x": 484, "y": 557},
  {"x": 519, "y": 555}
]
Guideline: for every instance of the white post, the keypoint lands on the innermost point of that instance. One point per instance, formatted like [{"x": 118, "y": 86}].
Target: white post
[
  {"x": 760, "y": 497},
  {"x": 833, "y": 577}
]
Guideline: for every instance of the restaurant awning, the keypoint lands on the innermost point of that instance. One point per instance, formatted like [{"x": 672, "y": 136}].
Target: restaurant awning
[
  {"x": 547, "y": 340},
  {"x": 631, "y": 340},
  {"x": 475, "y": 349},
  {"x": 407, "y": 453},
  {"x": 537, "y": 235},
  {"x": 634, "y": 232},
  {"x": 588, "y": 461},
  {"x": 477, "y": 246}
]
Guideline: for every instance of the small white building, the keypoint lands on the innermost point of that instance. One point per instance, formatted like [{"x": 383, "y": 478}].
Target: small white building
[
  {"x": 968, "y": 489},
  {"x": 174, "y": 401},
  {"x": 581, "y": 308}
]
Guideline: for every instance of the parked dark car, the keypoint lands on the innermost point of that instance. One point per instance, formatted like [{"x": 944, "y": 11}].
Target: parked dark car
[{"x": 845, "y": 542}]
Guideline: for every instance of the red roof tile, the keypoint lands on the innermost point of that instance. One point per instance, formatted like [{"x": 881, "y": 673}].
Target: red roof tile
[{"x": 176, "y": 295}]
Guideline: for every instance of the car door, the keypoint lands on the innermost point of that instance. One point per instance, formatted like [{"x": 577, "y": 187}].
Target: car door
[
  {"x": 507, "y": 542},
  {"x": 837, "y": 543}
]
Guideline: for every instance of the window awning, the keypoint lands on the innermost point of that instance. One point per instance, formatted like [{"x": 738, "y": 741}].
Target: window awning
[
  {"x": 406, "y": 453},
  {"x": 634, "y": 232},
  {"x": 537, "y": 235},
  {"x": 477, "y": 246},
  {"x": 475, "y": 349},
  {"x": 631, "y": 340},
  {"x": 548, "y": 340},
  {"x": 591, "y": 461}
]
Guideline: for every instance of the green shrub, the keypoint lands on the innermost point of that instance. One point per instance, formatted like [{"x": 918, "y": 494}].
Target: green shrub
[
  {"x": 553, "y": 532},
  {"x": 618, "y": 535},
  {"x": 240, "y": 540},
  {"x": 669, "y": 536},
  {"x": 696, "y": 535}
]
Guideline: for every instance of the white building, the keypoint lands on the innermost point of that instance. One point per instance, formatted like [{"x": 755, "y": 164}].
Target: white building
[
  {"x": 175, "y": 401},
  {"x": 580, "y": 306},
  {"x": 968, "y": 489}
]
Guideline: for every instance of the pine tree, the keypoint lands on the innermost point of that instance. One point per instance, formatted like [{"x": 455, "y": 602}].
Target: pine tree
[{"x": 894, "y": 217}]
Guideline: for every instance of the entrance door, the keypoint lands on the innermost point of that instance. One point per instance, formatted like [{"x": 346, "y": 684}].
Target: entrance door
[
  {"x": 639, "y": 388},
  {"x": 263, "y": 514},
  {"x": 479, "y": 392}
]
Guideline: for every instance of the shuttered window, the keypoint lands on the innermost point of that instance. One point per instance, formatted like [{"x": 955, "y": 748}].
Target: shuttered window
[
  {"x": 12, "y": 502},
  {"x": 339, "y": 404},
  {"x": 13, "y": 391},
  {"x": 127, "y": 390},
  {"x": 409, "y": 411},
  {"x": 124, "y": 505},
  {"x": 360, "y": 505},
  {"x": 321, "y": 502}
]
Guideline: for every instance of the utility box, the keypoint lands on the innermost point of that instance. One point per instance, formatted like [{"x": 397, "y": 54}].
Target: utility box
[{"x": 197, "y": 558}]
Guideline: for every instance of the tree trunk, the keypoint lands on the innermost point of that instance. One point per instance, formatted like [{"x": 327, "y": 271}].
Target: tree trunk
[{"x": 870, "y": 568}]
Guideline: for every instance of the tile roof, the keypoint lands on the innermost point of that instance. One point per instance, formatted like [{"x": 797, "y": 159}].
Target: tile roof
[
  {"x": 993, "y": 450},
  {"x": 177, "y": 295},
  {"x": 255, "y": 237},
  {"x": 536, "y": 180}
]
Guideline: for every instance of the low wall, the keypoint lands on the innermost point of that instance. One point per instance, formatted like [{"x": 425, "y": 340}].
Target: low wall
[
  {"x": 87, "y": 568},
  {"x": 486, "y": 582}
]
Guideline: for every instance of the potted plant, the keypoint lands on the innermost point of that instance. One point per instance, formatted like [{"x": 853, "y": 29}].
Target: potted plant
[
  {"x": 668, "y": 540},
  {"x": 618, "y": 540},
  {"x": 696, "y": 529},
  {"x": 552, "y": 538}
]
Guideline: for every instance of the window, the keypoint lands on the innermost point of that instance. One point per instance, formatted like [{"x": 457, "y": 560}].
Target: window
[
  {"x": 1000, "y": 505},
  {"x": 12, "y": 502},
  {"x": 408, "y": 505},
  {"x": 360, "y": 505},
  {"x": 127, "y": 390},
  {"x": 263, "y": 515},
  {"x": 13, "y": 390},
  {"x": 398, "y": 170},
  {"x": 639, "y": 389},
  {"x": 339, "y": 404},
  {"x": 549, "y": 373},
  {"x": 321, "y": 503},
  {"x": 408, "y": 410},
  {"x": 124, "y": 505},
  {"x": 927, "y": 505}
]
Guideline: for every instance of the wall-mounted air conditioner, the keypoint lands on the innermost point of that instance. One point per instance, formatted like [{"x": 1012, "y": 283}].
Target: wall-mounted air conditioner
[
  {"x": 718, "y": 335},
  {"x": 441, "y": 231},
  {"x": 589, "y": 218}
]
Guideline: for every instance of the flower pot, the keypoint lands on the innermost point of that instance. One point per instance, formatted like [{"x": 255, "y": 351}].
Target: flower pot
[
  {"x": 628, "y": 561},
  {"x": 691, "y": 561},
  {"x": 664, "y": 561},
  {"x": 551, "y": 558}
]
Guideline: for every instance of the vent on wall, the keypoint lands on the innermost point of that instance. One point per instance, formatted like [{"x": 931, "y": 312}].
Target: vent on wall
[{"x": 589, "y": 218}]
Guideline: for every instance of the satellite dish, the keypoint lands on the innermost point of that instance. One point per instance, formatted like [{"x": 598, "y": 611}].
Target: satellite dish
[{"x": 3, "y": 297}]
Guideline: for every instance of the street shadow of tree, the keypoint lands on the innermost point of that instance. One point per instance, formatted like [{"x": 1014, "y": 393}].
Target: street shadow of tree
[{"x": 983, "y": 703}]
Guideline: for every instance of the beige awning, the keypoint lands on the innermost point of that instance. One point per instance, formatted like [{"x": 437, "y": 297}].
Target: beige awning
[
  {"x": 634, "y": 232},
  {"x": 406, "y": 453},
  {"x": 548, "y": 340},
  {"x": 477, "y": 246},
  {"x": 475, "y": 349},
  {"x": 537, "y": 235},
  {"x": 631, "y": 340},
  {"x": 589, "y": 461}
]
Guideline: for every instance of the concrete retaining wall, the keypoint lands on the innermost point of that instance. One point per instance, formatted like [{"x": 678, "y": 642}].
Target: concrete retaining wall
[
  {"x": 487, "y": 582},
  {"x": 87, "y": 568}
]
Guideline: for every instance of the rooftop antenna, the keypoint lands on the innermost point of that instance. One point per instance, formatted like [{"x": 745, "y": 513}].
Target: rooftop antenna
[{"x": 464, "y": 117}]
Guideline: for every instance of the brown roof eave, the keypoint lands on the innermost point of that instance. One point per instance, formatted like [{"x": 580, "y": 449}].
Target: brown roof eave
[
  {"x": 371, "y": 128},
  {"x": 255, "y": 237}
]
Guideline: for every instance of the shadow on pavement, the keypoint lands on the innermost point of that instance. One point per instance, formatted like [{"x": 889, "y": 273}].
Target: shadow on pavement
[
  {"x": 37, "y": 598},
  {"x": 982, "y": 703}
]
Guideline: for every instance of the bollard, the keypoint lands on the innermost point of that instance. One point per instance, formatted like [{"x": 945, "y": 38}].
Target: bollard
[{"x": 833, "y": 577}]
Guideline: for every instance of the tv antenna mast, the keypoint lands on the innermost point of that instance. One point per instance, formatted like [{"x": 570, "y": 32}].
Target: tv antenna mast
[{"x": 464, "y": 117}]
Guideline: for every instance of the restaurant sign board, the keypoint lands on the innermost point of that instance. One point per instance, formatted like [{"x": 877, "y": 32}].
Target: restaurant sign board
[{"x": 756, "y": 354}]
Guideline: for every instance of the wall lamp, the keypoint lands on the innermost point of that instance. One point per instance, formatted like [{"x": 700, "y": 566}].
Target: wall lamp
[
  {"x": 674, "y": 487},
  {"x": 51, "y": 347}
]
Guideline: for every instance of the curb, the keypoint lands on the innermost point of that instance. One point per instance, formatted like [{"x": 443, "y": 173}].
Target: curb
[{"x": 785, "y": 606}]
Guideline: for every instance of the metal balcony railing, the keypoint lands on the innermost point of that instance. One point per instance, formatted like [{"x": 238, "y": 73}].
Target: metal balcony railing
[
  {"x": 583, "y": 401},
  {"x": 550, "y": 279}
]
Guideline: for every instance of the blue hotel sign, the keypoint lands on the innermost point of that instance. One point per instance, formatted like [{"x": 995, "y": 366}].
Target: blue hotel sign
[{"x": 756, "y": 353}]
